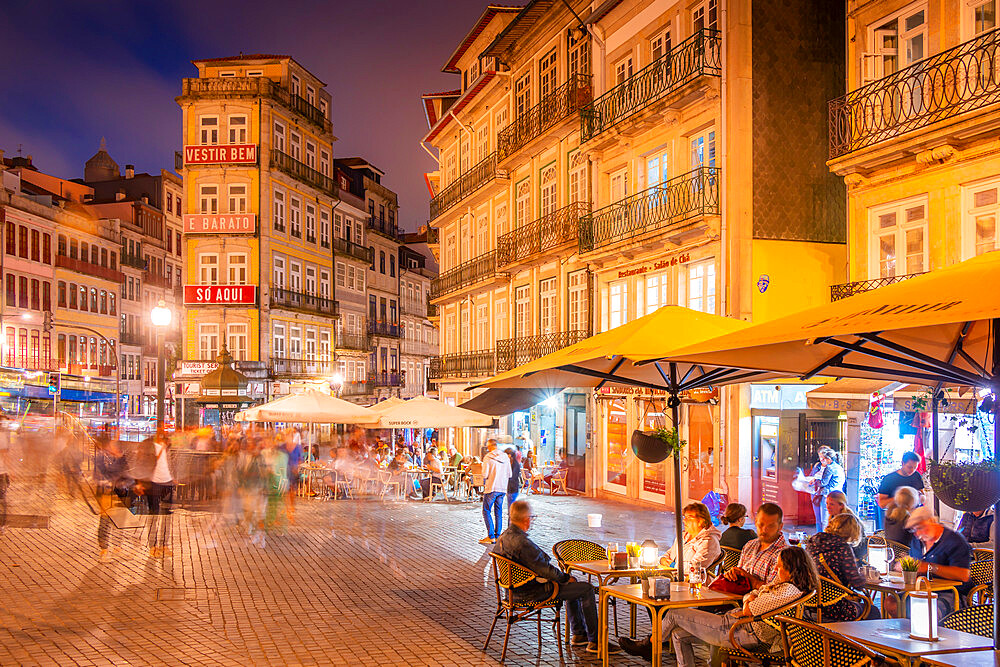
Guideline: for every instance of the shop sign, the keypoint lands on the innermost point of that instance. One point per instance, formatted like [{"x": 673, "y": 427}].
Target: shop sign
[
  {"x": 676, "y": 260},
  {"x": 190, "y": 388},
  {"x": 195, "y": 367},
  {"x": 838, "y": 404},
  {"x": 229, "y": 154},
  {"x": 198, "y": 223},
  {"x": 240, "y": 295},
  {"x": 954, "y": 406},
  {"x": 619, "y": 389},
  {"x": 700, "y": 395},
  {"x": 780, "y": 397}
]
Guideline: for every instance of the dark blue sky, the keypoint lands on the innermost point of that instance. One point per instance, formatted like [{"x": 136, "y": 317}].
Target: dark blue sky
[{"x": 76, "y": 71}]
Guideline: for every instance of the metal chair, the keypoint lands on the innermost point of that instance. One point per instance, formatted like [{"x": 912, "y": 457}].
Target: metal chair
[
  {"x": 832, "y": 591},
  {"x": 981, "y": 574},
  {"x": 509, "y": 576},
  {"x": 558, "y": 482},
  {"x": 979, "y": 554},
  {"x": 977, "y": 620},
  {"x": 388, "y": 481},
  {"x": 901, "y": 550},
  {"x": 734, "y": 654},
  {"x": 570, "y": 551},
  {"x": 730, "y": 558},
  {"x": 809, "y": 645},
  {"x": 718, "y": 566}
]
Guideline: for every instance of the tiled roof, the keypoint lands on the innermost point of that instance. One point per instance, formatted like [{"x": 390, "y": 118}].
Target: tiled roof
[
  {"x": 451, "y": 66},
  {"x": 252, "y": 56}
]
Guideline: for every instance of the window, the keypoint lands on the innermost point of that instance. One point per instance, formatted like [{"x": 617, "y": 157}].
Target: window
[
  {"x": 279, "y": 136},
  {"x": 502, "y": 118},
  {"x": 483, "y": 340},
  {"x": 61, "y": 294},
  {"x": 295, "y": 217},
  {"x": 548, "y": 307},
  {"x": 310, "y": 155},
  {"x": 209, "y": 198},
  {"x": 522, "y": 96},
  {"x": 310, "y": 223},
  {"x": 548, "y": 199},
  {"x": 324, "y": 346},
  {"x": 619, "y": 185},
  {"x": 895, "y": 42},
  {"x": 295, "y": 85},
  {"x": 979, "y": 220},
  {"x": 295, "y": 342},
  {"x": 279, "y": 210},
  {"x": 617, "y": 304},
  {"x": 311, "y": 280},
  {"x": 703, "y": 149},
  {"x": 36, "y": 245},
  {"x": 522, "y": 311},
  {"x": 238, "y": 129},
  {"x": 12, "y": 240},
  {"x": 657, "y": 168},
  {"x": 623, "y": 70},
  {"x": 311, "y": 95},
  {"x": 381, "y": 262},
  {"x": 483, "y": 142},
  {"x": 22, "y": 292},
  {"x": 177, "y": 244},
  {"x": 657, "y": 291},
  {"x": 701, "y": 286},
  {"x": 659, "y": 45},
  {"x": 324, "y": 228},
  {"x": 324, "y": 162},
  {"x": 255, "y": 72},
  {"x": 899, "y": 235},
  {"x": 483, "y": 235},
  {"x": 295, "y": 145},
  {"x": 522, "y": 204},
  {"x": 579, "y": 52},
  {"x": 237, "y": 263},
  {"x": 579, "y": 301},
  {"x": 208, "y": 269},
  {"x": 209, "y": 128},
  {"x": 983, "y": 15},
  {"x": 578, "y": 177},
  {"x": 36, "y": 294},
  {"x": 237, "y": 198},
  {"x": 208, "y": 341},
  {"x": 22, "y": 242},
  {"x": 705, "y": 15},
  {"x": 278, "y": 341},
  {"x": 236, "y": 341},
  {"x": 341, "y": 274},
  {"x": 392, "y": 266},
  {"x": 449, "y": 170},
  {"x": 547, "y": 74},
  {"x": 324, "y": 284}
]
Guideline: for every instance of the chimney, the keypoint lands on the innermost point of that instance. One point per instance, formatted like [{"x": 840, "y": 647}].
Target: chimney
[
  {"x": 120, "y": 195},
  {"x": 129, "y": 171}
]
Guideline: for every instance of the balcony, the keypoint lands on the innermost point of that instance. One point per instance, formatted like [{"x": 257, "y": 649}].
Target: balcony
[
  {"x": 355, "y": 388},
  {"x": 256, "y": 86},
  {"x": 548, "y": 232},
  {"x": 467, "y": 183},
  {"x": 554, "y": 107},
  {"x": 90, "y": 269},
  {"x": 360, "y": 342},
  {"x": 155, "y": 280},
  {"x": 384, "y": 228},
  {"x": 962, "y": 79},
  {"x": 302, "y": 172},
  {"x": 352, "y": 249},
  {"x": 380, "y": 328},
  {"x": 287, "y": 367},
  {"x": 417, "y": 348},
  {"x": 397, "y": 379},
  {"x": 132, "y": 261},
  {"x": 463, "y": 365},
  {"x": 513, "y": 352},
  {"x": 130, "y": 338},
  {"x": 838, "y": 292},
  {"x": 663, "y": 207},
  {"x": 697, "y": 56},
  {"x": 467, "y": 273},
  {"x": 413, "y": 307},
  {"x": 282, "y": 298}
]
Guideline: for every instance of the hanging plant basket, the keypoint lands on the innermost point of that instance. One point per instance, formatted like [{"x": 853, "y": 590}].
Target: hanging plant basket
[
  {"x": 655, "y": 446},
  {"x": 968, "y": 487}
]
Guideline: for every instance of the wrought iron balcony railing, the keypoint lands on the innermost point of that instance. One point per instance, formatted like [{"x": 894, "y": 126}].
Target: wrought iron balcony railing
[
  {"x": 845, "y": 290},
  {"x": 554, "y": 107},
  {"x": 89, "y": 268},
  {"x": 397, "y": 379},
  {"x": 289, "y": 366},
  {"x": 698, "y": 55},
  {"x": 347, "y": 340},
  {"x": 463, "y": 364},
  {"x": 512, "y": 352},
  {"x": 551, "y": 231},
  {"x": 303, "y": 172},
  {"x": 961, "y": 79},
  {"x": 662, "y": 206},
  {"x": 352, "y": 249},
  {"x": 133, "y": 261},
  {"x": 380, "y": 328},
  {"x": 467, "y": 273},
  {"x": 155, "y": 280},
  {"x": 417, "y": 348},
  {"x": 383, "y": 227},
  {"x": 355, "y": 388},
  {"x": 283, "y": 298},
  {"x": 413, "y": 307},
  {"x": 130, "y": 338},
  {"x": 256, "y": 86},
  {"x": 467, "y": 183}
]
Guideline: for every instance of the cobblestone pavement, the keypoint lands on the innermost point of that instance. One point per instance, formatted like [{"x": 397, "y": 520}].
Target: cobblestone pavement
[{"x": 352, "y": 582}]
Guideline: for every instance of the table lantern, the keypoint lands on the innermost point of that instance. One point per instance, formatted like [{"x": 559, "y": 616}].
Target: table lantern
[
  {"x": 650, "y": 556},
  {"x": 924, "y": 612},
  {"x": 880, "y": 556}
]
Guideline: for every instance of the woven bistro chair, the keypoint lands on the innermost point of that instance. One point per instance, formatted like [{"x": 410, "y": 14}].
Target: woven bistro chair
[
  {"x": 979, "y": 554},
  {"x": 734, "y": 654},
  {"x": 810, "y": 645},
  {"x": 576, "y": 551},
  {"x": 977, "y": 620},
  {"x": 717, "y": 567},
  {"x": 508, "y": 575},
  {"x": 832, "y": 591},
  {"x": 981, "y": 575},
  {"x": 730, "y": 558},
  {"x": 901, "y": 550}
]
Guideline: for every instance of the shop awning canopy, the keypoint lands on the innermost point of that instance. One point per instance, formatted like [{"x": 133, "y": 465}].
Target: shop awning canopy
[
  {"x": 498, "y": 402},
  {"x": 424, "y": 412},
  {"x": 310, "y": 407}
]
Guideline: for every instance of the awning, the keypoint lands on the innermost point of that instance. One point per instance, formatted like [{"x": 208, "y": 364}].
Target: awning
[
  {"x": 500, "y": 402},
  {"x": 847, "y": 394}
]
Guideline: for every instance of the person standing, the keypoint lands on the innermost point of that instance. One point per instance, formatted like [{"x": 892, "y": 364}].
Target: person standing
[
  {"x": 153, "y": 470},
  {"x": 907, "y": 475},
  {"x": 514, "y": 483},
  {"x": 830, "y": 477},
  {"x": 496, "y": 474},
  {"x": 4, "y": 470}
]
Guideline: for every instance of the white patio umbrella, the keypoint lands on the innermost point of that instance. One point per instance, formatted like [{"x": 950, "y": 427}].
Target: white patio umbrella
[
  {"x": 388, "y": 403},
  {"x": 310, "y": 407},
  {"x": 424, "y": 412}
]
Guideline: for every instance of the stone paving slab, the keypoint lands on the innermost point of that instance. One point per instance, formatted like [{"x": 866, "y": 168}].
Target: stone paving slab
[{"x": 353, "y": 582}]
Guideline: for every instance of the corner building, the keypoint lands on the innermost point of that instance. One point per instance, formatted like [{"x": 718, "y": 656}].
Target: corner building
[{"x": 599, "y": 163}]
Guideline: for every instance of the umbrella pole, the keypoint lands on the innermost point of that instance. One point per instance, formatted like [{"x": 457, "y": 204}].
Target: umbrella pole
[
  {"x": 935, "y": 404},
  {"x": 675, "y": 410}
]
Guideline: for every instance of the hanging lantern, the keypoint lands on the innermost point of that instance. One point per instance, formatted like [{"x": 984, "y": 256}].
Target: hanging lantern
[
  {"x": 880, "y": 556},
  {"x": 923, "y": 613},
  {"x": 650, "y": 554}
]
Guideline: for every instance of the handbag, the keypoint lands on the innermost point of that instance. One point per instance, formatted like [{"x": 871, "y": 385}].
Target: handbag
[{"x": 739, "y": 586}]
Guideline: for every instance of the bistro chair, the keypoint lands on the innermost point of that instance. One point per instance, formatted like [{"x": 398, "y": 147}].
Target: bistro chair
[
  {"x": 389, "y": 481},
  {"x": 981, "y": 575},
  {"x": 577, "y": 551},
  {"x": 717, "y": 567},
  {"x": 734, "y": 654},
  {"x": 810, "y": 645},
  {"x": 901, "y": 550},
  {"x": 509, "y": 576},
  {"x": 558, "y": 482},
  {"x": 977, "y": 620},
  {"x": 979, "y": 554},
  {"x": 730, "y": 558},
  {"x": 832, "y": 591},
  {"x": 526, "y": 482}
]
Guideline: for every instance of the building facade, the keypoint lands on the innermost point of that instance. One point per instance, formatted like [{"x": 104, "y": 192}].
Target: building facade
[{"x": 600, "y": 163}]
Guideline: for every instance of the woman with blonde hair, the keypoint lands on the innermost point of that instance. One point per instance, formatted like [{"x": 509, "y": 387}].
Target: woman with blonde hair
[
  {"x": 701, "y": 539},
  {"x": 843, "y": 531},
  {"x": 898, "y": 511}
]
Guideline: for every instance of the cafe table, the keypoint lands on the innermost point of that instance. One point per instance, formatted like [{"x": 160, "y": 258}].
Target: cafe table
[
  {"x": 632, "y": 593},
  {"x": 893, "y": 585},
  {"x": 963, "y": 659},
  {"x": 892, "y": 636},
  {"x": 606, "y": 574}
]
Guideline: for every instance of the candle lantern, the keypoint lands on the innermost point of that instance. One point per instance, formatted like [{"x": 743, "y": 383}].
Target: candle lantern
[
  {"x": 650, "y": 555},
  {"x": 924, "y": 613},
  {"x": 880, "y": 556}
]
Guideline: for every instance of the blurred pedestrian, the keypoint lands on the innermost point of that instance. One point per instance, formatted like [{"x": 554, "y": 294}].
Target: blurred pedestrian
[
  {"x": 5, "y": 468},
  {"x": 155, "y": 482},
  {"x": 496, "y": 474},
  {"x": 514, "y": 483}
]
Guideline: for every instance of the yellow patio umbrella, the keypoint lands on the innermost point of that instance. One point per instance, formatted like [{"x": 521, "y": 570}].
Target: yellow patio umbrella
[{"x": 609, "y": 357}]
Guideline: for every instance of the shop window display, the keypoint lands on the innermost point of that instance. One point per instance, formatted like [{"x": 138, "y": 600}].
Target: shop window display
[{"x": 617, "y": 439}]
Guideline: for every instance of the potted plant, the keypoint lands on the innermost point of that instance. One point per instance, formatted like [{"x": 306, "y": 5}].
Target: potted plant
[
  {"x": 969, "y": 487},
  {"x": 909, "y": 567},
  {"x": 656, "y": 445}
]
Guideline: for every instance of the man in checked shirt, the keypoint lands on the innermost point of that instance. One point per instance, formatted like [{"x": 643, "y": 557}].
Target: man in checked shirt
[{"x": 759, "y": 558}]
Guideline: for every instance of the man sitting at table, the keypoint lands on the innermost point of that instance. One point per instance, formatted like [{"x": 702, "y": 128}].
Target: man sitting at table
[
  {"x": 759, "y": 558},
  {"x": 942, "y": 554},
  {"x": 432, "y": 464},
  {"x": 551, "y": 582}
]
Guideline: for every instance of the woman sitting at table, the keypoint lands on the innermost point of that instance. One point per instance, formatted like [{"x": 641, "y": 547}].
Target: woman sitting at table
[
  {"x": 687, "y": 627},
  {"x": 701, "y": 539},
  {"x": 736, "y": 536},
  {"x": 835, "y": 544},
  {"x": 836, "y": 503}
]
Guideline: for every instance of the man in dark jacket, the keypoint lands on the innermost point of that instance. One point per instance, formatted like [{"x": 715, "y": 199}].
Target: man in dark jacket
[{"x": 514, "y": 544}]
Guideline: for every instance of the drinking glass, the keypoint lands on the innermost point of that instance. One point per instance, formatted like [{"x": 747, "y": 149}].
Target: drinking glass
[{"x": 612, "y": 550}]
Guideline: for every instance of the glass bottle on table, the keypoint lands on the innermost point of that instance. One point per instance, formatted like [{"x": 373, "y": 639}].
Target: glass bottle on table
[{"x": 612, "y": 550}]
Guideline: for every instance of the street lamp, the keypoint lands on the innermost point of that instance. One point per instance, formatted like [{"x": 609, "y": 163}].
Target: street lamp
[
  {"x": 160, "y": 316},
  {"x": 336, "y": 383}
]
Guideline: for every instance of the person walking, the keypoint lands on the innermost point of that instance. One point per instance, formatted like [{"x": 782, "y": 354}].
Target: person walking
[
  {"x": 156, "y": 483},
  {"x": 830, "y": 477},
  {"x": 514, "y": 483},
  {"x": 496, "y": 474}
]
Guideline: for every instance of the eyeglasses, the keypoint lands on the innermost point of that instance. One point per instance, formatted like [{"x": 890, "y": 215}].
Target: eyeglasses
[{"x": 532, "y": 516}]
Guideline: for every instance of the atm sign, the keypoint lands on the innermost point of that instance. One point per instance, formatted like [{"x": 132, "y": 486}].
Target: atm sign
[{"x": 238, "y": 295}]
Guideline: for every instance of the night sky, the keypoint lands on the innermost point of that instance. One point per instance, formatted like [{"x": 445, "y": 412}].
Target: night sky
[{"x": 72, "y": 72}]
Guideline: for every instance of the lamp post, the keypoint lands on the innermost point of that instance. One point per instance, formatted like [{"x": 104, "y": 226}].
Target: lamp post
[{"x": 160, "y": 317}]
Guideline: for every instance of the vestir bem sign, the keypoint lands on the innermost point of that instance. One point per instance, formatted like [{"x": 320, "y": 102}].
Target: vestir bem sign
[
  {"x": 229, "y": 154},
  {"x": 239, "y": 223},
  {"x": 240, "y": 295}
]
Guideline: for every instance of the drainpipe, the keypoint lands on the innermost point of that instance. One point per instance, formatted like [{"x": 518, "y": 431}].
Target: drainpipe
[{"x": 433, "y": 157}]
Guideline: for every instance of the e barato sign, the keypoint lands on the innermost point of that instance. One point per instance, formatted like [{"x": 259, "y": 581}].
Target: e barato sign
[{"x": 241, "y": 223}]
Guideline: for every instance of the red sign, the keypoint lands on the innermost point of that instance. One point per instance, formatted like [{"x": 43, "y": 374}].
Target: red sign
[
  {"x": 240, "y": 223},
  {"x": 240, "y": 295},
  {"x": 235, "y": 153}
]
